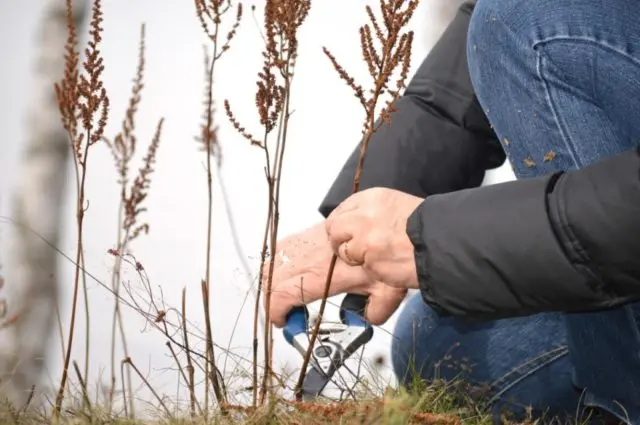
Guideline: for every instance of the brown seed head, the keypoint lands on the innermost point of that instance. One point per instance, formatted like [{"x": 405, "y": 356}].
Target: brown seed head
[
  {"x": 82, "y": 98},
  {"x": 282, "y": 20}
]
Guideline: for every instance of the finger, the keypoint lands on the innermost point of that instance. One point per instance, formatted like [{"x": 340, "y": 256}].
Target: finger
[
  {"x": 297, "y": 291},
  {"x": 383, "y": 303},
  {"x": 345, "y": 255},
  {"x": 347, "y": 205},
  {"x": 350, "y": 227},
  {"x": 283, "y": 298}
]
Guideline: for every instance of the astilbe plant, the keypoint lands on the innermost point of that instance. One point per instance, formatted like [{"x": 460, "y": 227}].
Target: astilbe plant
[
  {"x": 391, "y": 57},
  {"x": 131, "y": 204},
  {"x": 84, "y": 108},
  {"x": 282, "y": 20},
  {"x": 210, "y": 13}
]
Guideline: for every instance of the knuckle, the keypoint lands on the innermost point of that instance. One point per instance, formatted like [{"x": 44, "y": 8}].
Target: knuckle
[
  {"x": 376, "y": 241},
  {"x": 373, "y": 270}
]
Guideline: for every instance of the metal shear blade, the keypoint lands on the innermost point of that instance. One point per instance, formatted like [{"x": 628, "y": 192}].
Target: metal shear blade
[{"x": 331, "y": 350}]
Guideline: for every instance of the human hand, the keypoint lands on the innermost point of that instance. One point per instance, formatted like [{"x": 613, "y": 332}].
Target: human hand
[
  {"x": 368, "y": 229},
  {"x": 300, "y": 273}
]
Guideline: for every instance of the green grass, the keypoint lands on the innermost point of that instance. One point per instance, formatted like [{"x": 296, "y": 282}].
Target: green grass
[{"x": 435, "y": 404}]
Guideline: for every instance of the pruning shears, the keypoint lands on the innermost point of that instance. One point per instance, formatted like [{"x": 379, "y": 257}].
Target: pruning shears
[{"x": 333, "y": 346}]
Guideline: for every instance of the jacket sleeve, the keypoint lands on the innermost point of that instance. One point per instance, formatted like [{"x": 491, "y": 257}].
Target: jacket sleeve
[
  {"x": 566, "y": 242},
  {"x": 438, "y": 140}
]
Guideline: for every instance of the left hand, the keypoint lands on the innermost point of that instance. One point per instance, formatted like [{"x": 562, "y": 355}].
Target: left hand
[{"x": 369, "y": 229}]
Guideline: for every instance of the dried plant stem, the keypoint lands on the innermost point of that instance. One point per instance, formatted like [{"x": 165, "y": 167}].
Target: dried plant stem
[
  {"x": 60, "y": 329},
  {"x": 275, "y": 219},
  {"x": 211, "y": 371},
  {"x": 130, "y": 363},
  {"x": 117, "y": 322},
  {"x": 83, "y": 386},
  {"x": 87, "y": 316},
  {"x": 193, "y": 401},
  {"x": 124, "y": 390},
  {"x": 273, "y": 171},
  {"x": 268, "y": 245},
  {"x": 210, "y": 367},
  {"x": 190, "y": 379},
  {"x": 115, "y": 279},
  {"x": 80, "y": 201},
  {"x": 32, "y": 393},
  {"x": 256, "y": 312}
]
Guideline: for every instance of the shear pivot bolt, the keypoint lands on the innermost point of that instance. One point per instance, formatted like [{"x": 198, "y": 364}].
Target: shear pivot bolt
[{"x": 322, "y": 351}]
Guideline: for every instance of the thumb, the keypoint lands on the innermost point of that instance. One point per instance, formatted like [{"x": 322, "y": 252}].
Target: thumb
[
  {"x": 280, "y": 304},
  {"x": 383, "y": 303}
]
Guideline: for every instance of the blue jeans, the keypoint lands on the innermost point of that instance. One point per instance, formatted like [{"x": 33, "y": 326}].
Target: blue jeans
[{"x": 560, "y": 83}]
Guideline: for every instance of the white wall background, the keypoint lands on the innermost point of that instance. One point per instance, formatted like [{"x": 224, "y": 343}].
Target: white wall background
[{"x": 173, "y": 253}]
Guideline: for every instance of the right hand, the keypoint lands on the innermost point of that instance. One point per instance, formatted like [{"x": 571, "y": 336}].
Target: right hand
[{"x": 300, "y": 275}]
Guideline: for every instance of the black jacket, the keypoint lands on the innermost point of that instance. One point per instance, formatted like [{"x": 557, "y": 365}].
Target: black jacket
[{"x": 568, "y": 241}]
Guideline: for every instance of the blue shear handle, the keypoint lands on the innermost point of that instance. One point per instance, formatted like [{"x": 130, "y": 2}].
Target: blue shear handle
[
  {"x": 297, "y": 323},
  {"x": 352, "y": 310},
  {"x": 350, "y": 318}
]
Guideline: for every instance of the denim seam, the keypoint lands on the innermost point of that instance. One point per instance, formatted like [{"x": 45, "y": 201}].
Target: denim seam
[
  {"x": 534, "y": 46},
  {"x": 584, "y": 40},
  {"x": 537, "y": 46},
  {"x": 569, "y": 143},
  {"x": 532, "y": 365}
]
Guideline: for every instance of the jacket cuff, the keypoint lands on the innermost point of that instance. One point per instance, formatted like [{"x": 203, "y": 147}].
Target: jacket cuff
[{"x": 492, "y": 252}]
